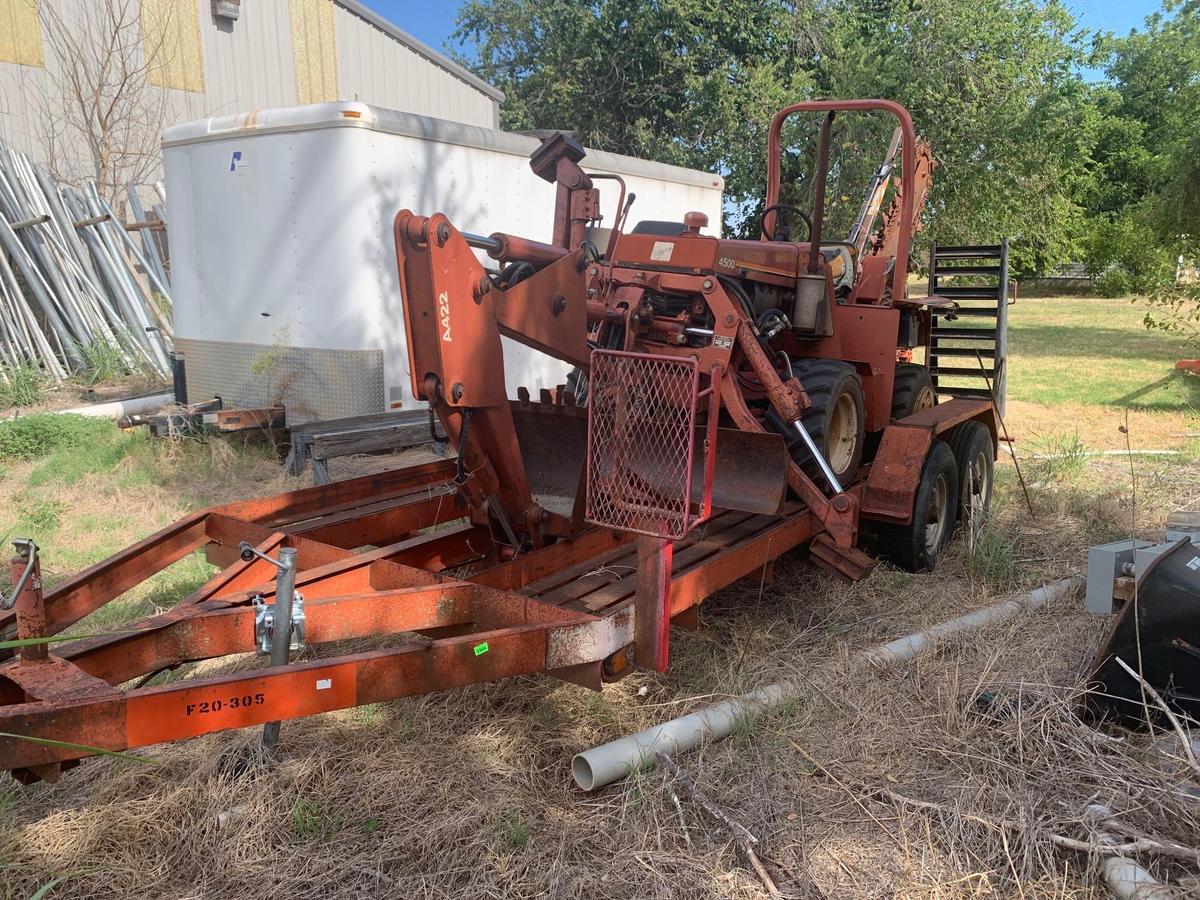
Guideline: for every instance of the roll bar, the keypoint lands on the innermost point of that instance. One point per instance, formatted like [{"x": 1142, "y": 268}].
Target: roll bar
[{"x": 908, "y": 170}]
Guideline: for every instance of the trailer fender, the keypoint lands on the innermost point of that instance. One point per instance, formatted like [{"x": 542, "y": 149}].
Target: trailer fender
[{"x": 896, "y": 471}]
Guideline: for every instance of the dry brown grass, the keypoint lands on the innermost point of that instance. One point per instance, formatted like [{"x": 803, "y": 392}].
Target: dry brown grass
[{"x": 468, "y": 793}]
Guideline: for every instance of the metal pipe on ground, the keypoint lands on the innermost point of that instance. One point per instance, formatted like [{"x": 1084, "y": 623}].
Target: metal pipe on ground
[{"x": 600, "y": 766}]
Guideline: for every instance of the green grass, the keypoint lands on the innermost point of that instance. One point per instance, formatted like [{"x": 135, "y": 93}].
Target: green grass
[
  {"x": 993, "y": 559},
  {"x": 30, "y": 437},
  {"x": 101, "y": 362},
  {"x": 312, "y": 822},
  {"x": 1094, "y": 351},
  {"x": 512, "y": 832},
  {"x": 83, "y": 490},
  {"x": 21, "y": 385}
]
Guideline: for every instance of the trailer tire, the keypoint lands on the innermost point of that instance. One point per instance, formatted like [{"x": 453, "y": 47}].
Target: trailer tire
[
  {"x": 912, "y": 391},
  {"x": 837, "y": 416},
  {"x": 916, "y": 546},
  {"x": 975, "y": 455}
]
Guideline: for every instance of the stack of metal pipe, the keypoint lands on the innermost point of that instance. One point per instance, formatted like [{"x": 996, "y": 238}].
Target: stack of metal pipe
[{"x": 73, "y": 280}]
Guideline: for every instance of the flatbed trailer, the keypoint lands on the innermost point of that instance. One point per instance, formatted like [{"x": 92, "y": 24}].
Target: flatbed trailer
[{"x": 389, "y": 554}]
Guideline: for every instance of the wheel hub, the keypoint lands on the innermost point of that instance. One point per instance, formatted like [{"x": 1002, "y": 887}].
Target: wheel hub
[
  {"x": 939, "y": 512},
  {"x": 842, "y": 435}
]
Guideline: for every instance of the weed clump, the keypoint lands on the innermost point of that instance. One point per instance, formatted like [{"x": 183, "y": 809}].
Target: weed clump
[
  {"x": 31, "y": 437},
  {"x": 21, "y": 385}
]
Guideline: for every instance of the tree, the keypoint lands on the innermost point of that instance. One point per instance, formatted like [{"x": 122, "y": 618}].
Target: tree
[
  {"x": 1142, "y": 202},
  {"x": 1155, "y": 77},
  {"x": 679, "y": 81},
  {"x": 100, "y": 102},
  {"x": 990, "y": 84}
]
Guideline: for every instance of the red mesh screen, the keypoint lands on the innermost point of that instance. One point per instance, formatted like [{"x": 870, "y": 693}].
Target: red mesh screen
[{"x": 641, "y": 432}]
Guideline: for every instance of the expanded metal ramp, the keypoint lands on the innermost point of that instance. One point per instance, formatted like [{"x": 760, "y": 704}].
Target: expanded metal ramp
[{"x": 976, "y": 278}]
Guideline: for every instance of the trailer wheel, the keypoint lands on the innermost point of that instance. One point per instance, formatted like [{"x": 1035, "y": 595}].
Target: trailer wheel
[
  {"x": 912, "y": 390},
  {"x": 974, "y": 453},
  {"x": 917, "y": 545},
  {"x": 836, "y": 421}
]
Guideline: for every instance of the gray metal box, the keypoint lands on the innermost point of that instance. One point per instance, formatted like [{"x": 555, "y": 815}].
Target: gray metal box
[{"x": 1103, "y": 567}]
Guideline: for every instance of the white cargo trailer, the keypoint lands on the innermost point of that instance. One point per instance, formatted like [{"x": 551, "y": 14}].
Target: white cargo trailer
[{"x": 283, "y": 265}]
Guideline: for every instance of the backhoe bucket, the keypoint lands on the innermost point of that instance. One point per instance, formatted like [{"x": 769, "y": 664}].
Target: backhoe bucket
[{"x": 553, "y": 441}]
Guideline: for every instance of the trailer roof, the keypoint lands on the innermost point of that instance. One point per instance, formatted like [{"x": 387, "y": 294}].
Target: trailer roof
[{"x": 353, "y": 114}]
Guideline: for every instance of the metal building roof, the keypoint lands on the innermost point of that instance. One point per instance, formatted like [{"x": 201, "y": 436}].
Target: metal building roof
[{"x": 421, "y": 48}]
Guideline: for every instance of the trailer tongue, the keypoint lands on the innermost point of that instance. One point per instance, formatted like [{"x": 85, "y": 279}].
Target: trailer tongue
[{"x": 732, "y": 401}]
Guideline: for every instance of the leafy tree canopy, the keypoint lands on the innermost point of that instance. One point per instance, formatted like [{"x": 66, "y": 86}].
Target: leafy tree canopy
[{"x": 1026, "y": 147}]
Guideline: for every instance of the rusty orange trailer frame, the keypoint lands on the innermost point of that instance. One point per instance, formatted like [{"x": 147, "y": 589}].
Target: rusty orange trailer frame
[{"x": 563, "y": 610}]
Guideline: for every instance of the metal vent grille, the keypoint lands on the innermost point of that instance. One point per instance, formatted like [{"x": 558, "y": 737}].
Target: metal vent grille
[{"x": 641, "y": 438}]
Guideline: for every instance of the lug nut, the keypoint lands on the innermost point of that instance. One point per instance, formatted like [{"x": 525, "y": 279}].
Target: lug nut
[
  {"x": 558, "y": 304},
  {"x": 457, "y": 391},
  {"x": 443, "y": 234}
]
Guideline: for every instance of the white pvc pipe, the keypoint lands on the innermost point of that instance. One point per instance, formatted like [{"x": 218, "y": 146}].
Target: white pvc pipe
[
  {"x": 1125, "y": 878},
  {"x": 132, "y": 406},
  {"x": 908, "y": 647},
  {"x": 1129, "y": 881},
  {"x": 615, "y": 760}
]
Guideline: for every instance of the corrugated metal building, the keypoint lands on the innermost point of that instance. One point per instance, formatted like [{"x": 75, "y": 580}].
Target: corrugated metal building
[{"x": 188, "y": 59}]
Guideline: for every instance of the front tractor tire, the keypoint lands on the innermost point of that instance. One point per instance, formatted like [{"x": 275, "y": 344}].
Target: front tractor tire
[
  {"x": 916, "y": 546},
  {"x": 836, "y": 421}
]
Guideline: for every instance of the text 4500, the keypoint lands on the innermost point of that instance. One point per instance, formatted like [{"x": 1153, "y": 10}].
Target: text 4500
[{"x": 234, "y": 702}]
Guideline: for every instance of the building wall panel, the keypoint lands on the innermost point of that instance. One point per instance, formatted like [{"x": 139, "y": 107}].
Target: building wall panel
[
  {"x": 171, "y": 43},
  {"x": 226, "y": 67},
  {"x": 20, "y": 33},
  {"x": 314, "y": 50}
]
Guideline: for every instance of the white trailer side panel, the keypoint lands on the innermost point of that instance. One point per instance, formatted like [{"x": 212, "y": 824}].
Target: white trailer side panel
[{"x": 284, "y": 264}]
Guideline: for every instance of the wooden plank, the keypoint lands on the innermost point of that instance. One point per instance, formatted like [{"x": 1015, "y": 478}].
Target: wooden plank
[
  {"x": 700, "y": 551},
  {"x": 387, "y": 437},
  {"x": 612, "y": 569},
  {"x": 309, "y": 430}
]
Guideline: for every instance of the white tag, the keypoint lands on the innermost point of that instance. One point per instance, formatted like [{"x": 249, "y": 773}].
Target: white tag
[
  {"x": 722, "y": 342},
  {"x": 324, "y": 684},
  {"x": 1195, "y": 563},
  {"x": 662, "y": 251}
]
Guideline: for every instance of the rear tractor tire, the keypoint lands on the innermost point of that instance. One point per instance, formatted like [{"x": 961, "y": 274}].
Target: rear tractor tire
[
  {"x": 836, "y": 421},
  {"x": 916, "y": 546},
  {"x": 912, "y": 391}
]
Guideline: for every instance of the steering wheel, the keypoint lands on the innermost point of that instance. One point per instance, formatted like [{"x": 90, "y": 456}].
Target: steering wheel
[{"x": 779, "y": 234}]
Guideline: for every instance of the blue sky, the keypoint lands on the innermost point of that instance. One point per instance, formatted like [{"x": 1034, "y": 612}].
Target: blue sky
[{"x": 433, "y": 22}]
